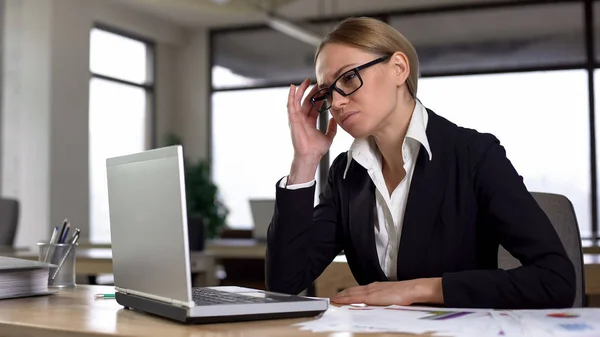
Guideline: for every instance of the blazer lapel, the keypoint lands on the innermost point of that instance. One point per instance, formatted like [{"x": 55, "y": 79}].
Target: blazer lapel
[
  {"x": 426, "y": 192},
  {"x": 361, "y": 196}
]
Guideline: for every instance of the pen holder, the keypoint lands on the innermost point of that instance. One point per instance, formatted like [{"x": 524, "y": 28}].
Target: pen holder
[{"x": 62, "y": 257}]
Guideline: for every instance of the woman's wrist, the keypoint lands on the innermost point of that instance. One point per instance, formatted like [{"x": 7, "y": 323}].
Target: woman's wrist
[
  {"x": 303, "y": 170},
  {"x": 429, "y": 290}
]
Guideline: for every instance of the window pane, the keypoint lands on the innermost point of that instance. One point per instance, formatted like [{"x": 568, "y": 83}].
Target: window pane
[
  {"x": 117, "y": 127},
  {"x": 118, "y": 56},
  {"x": 495, "y": 38},
  {"x": 251, "y": 148},
  {"x": 341, "y": 143},
  {"x": 540, "y": 118}
]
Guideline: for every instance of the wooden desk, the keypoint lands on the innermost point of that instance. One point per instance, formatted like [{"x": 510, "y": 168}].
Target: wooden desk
[
  {"x": 237, "y": 248},
  {"x": 11, "y": 249},
  {"x": 76, "y": 313},
  {"x": 219, "y": 248},
  {"x": 95, "y": 261},
  {"x": 337, "y": 276}
]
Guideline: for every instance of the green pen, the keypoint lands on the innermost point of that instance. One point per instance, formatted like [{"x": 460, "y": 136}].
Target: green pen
[{"x": 97, "y": 296}]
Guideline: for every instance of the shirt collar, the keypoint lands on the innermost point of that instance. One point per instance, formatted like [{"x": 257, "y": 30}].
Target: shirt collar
[{"x": 416, "y": 130}]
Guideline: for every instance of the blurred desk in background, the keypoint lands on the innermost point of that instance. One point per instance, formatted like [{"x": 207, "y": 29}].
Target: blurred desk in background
[
  {"x": 236, "y": 248},
  {"x": 97, "y": 261},
  {"x": 219, "y": 248},
  {"x": 11, "y": 249},
  {"x": 242, "y": 261}
]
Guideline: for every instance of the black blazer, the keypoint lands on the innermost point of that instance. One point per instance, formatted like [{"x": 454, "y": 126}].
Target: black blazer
[{"x": 462, "y": 205}]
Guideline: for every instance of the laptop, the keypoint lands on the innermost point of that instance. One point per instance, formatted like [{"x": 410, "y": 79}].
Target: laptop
[
  {"x": 262, "y": 213},
  {"x": 151, "y": 265}
]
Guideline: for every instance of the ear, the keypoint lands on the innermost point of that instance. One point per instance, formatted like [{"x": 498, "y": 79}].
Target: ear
[{"x": 401, "y": 66}]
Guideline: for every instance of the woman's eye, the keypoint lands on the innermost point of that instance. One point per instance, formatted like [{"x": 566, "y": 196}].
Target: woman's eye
[{"x": 349, "y": 77}]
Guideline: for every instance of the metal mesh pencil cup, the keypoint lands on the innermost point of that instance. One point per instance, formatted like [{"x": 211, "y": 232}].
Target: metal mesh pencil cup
[{"x": 62, "y": 257}]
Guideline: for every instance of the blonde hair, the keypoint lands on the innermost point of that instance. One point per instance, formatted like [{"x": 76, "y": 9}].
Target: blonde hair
[{"x": 376, "y": 37}]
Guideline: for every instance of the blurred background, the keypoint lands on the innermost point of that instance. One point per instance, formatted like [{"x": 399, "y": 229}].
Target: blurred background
[{"x": 83, "y": 80}]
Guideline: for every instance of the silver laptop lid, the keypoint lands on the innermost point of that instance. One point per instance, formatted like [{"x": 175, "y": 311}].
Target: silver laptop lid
[{"x": 148, "y": 225}]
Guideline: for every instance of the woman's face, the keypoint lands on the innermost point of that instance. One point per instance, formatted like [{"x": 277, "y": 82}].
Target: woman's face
[{"x": 364, "y": 111}]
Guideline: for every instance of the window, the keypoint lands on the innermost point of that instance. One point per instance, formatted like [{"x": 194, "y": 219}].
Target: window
[
  {"x": 541, "y": 119},
  {"x": 251, "y": 148},
  {"x": 487, "y": 66},
  {"x": 119, "y": 113}
]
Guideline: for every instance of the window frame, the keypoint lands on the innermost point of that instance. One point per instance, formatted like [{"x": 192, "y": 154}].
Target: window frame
[
  {"x": 590, "y": 64},
  {"x": 149, "y": 87}
]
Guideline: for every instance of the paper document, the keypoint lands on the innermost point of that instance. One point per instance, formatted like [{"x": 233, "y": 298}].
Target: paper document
[
  {"x": 572, "y": 322},
  {"x": 457, "y": 322},
  {"x": 404, "y": 320},
  {"x": 19, "y": 278}
]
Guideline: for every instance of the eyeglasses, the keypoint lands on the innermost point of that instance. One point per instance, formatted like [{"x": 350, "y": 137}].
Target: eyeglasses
[{"x": 346, "y": 84}]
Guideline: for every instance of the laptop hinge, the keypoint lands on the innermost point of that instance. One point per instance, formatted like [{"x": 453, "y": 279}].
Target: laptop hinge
[{"x": 157, "y": 298}]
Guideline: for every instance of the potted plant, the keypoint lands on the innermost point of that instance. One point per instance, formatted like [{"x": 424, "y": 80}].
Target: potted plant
[{"x": 206, "y": 212}]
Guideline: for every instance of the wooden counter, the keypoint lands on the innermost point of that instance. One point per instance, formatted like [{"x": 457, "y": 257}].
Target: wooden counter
[{"x": 75, "y": 312}]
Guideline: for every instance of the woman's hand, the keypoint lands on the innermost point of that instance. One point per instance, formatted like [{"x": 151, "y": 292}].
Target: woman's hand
[
  {"x": 428, "y": 290},
  {"x": 310, "y": 144}
]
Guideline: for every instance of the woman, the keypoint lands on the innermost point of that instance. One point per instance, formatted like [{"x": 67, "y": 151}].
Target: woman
[{"x": 418, "y": 204}]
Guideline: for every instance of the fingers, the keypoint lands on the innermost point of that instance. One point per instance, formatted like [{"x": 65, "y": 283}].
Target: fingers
[
  {"x": 356, "y": 299},
  {"x": 349, "y": 294},
  {"x": 291, "y": 99},
  {"x": 353, "y": 291},
  {"x": 331, "y": 129},
  {"x": 300, "y": 93},
  {"x": 306, "y": 104},
  {"x": 373, "y": 294}
]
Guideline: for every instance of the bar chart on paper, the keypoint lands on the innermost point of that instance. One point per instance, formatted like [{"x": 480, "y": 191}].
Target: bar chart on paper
[{"x": 457, "y": 322}]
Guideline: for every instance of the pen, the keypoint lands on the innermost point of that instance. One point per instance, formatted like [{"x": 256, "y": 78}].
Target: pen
[
  {"x": 75, "y": 234},
  {"x": 54, "y": 234},
  {"x": 74, "y": 240},
  {"x": 64, "y": 237},
  {"x": 57, "y": 240},
  {"x": 62, "y": 230},
  {"x": 52, "y": 240},
  {"x": 97, "y": 296}
]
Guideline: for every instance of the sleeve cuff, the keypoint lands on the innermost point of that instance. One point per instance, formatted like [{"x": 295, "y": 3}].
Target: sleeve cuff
[{"x": 283, "y": 182}]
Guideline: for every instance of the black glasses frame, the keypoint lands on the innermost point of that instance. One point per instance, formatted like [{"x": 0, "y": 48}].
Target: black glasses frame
[{"x": 328, "y": 92}]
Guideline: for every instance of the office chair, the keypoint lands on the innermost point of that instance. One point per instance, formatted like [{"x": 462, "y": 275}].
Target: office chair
[
  {"x": 9, "y": 219},
  {"x": 562, "y": 216}
]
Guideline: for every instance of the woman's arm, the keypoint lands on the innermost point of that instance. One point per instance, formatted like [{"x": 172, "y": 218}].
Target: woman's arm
[
  {"x": 302, "y": 241},
  {"x": 546, "y": 278}
]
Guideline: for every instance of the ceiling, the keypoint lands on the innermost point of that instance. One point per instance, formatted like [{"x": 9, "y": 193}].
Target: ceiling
[
  {"x": 223, "y": 13},
  {"x": 445, "y": 43}
]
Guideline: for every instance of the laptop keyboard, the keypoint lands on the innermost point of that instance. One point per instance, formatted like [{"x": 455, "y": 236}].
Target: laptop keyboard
[{"x": 207, "y": 296}]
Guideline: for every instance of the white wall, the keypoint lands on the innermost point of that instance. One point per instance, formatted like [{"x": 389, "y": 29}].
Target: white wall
[
  {"x": 69, "y": 123},
  {"x": 1, "y": 76},
  {"x": 45, "y": 120},
  {"x": 26, "y": 113}
]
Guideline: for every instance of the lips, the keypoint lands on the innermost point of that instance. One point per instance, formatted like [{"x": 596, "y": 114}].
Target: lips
[{"x": 348, "y": 115}]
